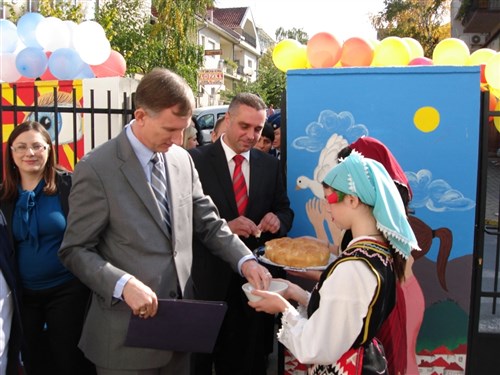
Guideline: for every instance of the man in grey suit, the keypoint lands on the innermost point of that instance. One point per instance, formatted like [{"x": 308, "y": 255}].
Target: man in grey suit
[{"x": 124, "y": 247}]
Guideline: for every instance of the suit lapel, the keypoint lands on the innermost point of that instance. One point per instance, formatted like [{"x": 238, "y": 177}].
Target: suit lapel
[{"x": 133, "y": 172}]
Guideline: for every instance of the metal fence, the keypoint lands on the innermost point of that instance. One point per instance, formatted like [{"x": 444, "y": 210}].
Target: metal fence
[{"x": 98, "y": 120}]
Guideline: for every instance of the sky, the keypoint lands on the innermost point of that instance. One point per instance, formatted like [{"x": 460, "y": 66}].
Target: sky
[{"x": 342, "y": 18}]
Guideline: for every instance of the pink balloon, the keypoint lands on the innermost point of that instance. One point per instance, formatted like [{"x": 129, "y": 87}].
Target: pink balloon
[
  {"x": 114, "y": 66},
  {"x": 421, "y": 61},
  {"x": 323, "y": 50}
]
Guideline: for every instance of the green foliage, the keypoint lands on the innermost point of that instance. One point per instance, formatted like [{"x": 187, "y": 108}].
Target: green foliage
[
  {"x": 64, "y": 10},
  {"x": 422, "y": 20},
  {"x": 170, "y": 42},
  {"x": 297, "y": 34}
]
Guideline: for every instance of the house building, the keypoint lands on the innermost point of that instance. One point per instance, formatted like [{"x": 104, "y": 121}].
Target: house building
[
  {"x": 477, "y": 22},
  {"x": 232, "y": 51}
]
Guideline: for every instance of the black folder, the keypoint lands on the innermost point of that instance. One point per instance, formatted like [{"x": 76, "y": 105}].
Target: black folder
[{"x": 180, "y": 325}]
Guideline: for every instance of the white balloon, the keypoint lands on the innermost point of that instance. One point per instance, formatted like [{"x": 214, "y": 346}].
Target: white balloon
[
  {"x": 71, "y": 26},
  {"x": 51, "y": 33},
  {"x": 9, "y": 72},
  {"x": 90, "y": 41}
]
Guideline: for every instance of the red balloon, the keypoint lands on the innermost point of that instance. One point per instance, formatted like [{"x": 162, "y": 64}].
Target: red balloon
[
  {"x": 356, "y": 52},
  {"x": 114, "y": 66},
  {"x": 323, "y": 50},
  {"x": 421, "y": 61}
]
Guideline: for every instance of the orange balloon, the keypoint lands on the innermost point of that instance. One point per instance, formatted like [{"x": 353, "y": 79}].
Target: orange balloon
[
  {"x": 323, "y": 50},
  {"x": 356, "y": 52},
  {"x": 492, "y": 105},
  {"x": 496, "y": 119}
]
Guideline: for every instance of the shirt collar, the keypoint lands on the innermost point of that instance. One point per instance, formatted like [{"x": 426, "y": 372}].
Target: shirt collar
[
  {"x": 230, "y": 152},
  {"x": 143, "y": 153}
]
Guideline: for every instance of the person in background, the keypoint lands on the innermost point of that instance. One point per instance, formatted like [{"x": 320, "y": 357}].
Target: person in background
[
  {"x": 270, "y": 110},
  {"x": 336, "y": 325},
  {"x": 219, "y": 129},
  {"x": 199, "y": 136},
  {"x": 189, "y": 138},
  {"x": 275, "y": 121},
  {"x": 34, "y": 198},
  {"x": 258, "y": 211},
  {"x": 10, "y": 316},
  {"x": 136, "y": 203},
  {"x": 266, "y": 139}
]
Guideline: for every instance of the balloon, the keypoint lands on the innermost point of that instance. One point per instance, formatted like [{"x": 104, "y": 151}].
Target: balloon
[
  {"x": 31, "y": 62},
  {"x": 323, "y": 50},
  {"x": 421, "y": 61},
  {"x": 86, "y": 72},
  {"x": 451, "y": 51},
  {"x": 416, "y": 49},
  {"x": 47, "y": 75},
  {"x": 481, "y": 56},
  {"x": 492, "y": 105},
  {"x": 289, "y": 54},
  {"x": 71, "y": 26},
  {"x": 114, "y": 66},
  {"x": 26, "y": 29},
  {"x": 91, "y": 43},
  {"x": 391, "y": 51},
  {"x": 52, "y": 34},
  {"x": 492, "y": 71},
  {"x": 356, "y": 52},
  {"x": 65, "y": 63},
  {"x": 8, "y": 36},
  {"x": 8, "y": 73}
]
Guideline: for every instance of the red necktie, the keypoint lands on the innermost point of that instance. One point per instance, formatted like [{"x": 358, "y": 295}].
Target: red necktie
[{"x": 239, "y": 185}]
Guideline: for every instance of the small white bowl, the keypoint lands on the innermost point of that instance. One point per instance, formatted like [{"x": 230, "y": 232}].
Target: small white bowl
[{"x": 275, "y": 286}]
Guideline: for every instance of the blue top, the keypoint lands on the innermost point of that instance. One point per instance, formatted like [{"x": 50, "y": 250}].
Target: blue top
[{"x": 38, "y": 227}]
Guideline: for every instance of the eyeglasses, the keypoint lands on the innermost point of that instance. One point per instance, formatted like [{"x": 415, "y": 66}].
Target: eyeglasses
[
  {"x": 335, "y": 197},
  {"x": 22, "y": 149}
]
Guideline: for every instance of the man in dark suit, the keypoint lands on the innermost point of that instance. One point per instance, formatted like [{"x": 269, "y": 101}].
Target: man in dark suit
[
  {"x": 10, "y": 331},
  {"x": 246, "y": 336},
  {"x": 131, "y": 244}
]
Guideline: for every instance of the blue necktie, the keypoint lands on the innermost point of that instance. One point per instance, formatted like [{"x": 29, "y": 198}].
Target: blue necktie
[{"x": 159, "y": 185}]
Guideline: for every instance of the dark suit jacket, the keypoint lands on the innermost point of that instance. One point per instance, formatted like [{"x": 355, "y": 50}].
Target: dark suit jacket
[
  {"x": 8, "y": 267},
  {"x": 267, "y": 194}
]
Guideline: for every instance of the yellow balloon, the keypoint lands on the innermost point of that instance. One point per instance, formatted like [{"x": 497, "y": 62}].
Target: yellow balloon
[
  {"x": 289, "y": 54},
  {"x": 451, "y": 51},
  {"x": 495, "y": 93},
  {"x": 416, "y": 49},
  {"x": 481, "y": 56},
  {"x": 492, "y": 71},
  {"x": 391, "y": 51}
]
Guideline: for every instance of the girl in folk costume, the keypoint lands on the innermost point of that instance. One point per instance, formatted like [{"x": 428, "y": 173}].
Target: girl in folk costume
[{"x": 334, "y": 328}]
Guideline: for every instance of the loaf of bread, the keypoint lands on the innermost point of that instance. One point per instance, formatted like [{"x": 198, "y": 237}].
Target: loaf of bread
[{"x": 299, "y": 252}]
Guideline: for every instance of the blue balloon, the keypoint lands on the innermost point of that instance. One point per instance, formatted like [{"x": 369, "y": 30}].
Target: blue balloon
[
  {"x": 8, "y": 36},
  {"x": 26, "y": 27},
  {"x": 86, "y": 72},
  {"x": 31, "y": 62},
  {"x": 65, "y": 63}
]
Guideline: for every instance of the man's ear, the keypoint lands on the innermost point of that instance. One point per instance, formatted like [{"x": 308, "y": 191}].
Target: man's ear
[{"x": 139, "y": 115}]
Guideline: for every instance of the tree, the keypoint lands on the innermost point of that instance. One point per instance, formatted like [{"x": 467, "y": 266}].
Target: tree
[
  {"x": 64, "y": 10},
  {"x": 422, "y": 20},
  {"x": 297, "y": 34},
  {"x": 168, "y": 42}
]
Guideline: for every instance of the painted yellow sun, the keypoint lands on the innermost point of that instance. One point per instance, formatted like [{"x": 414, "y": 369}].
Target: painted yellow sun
[{"x": 426, "y": 119}]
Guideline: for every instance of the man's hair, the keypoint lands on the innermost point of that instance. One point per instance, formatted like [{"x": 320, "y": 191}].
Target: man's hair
[
  {"x": 247, "y": 99},
  {"x": 219, "y": 121},
  {"x": 268, "y": 131},
  {"x": 161, "y": 89}
]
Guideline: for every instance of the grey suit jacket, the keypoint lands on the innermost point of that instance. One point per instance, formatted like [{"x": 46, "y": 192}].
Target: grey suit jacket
[{"x": 115, "y": 228}]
